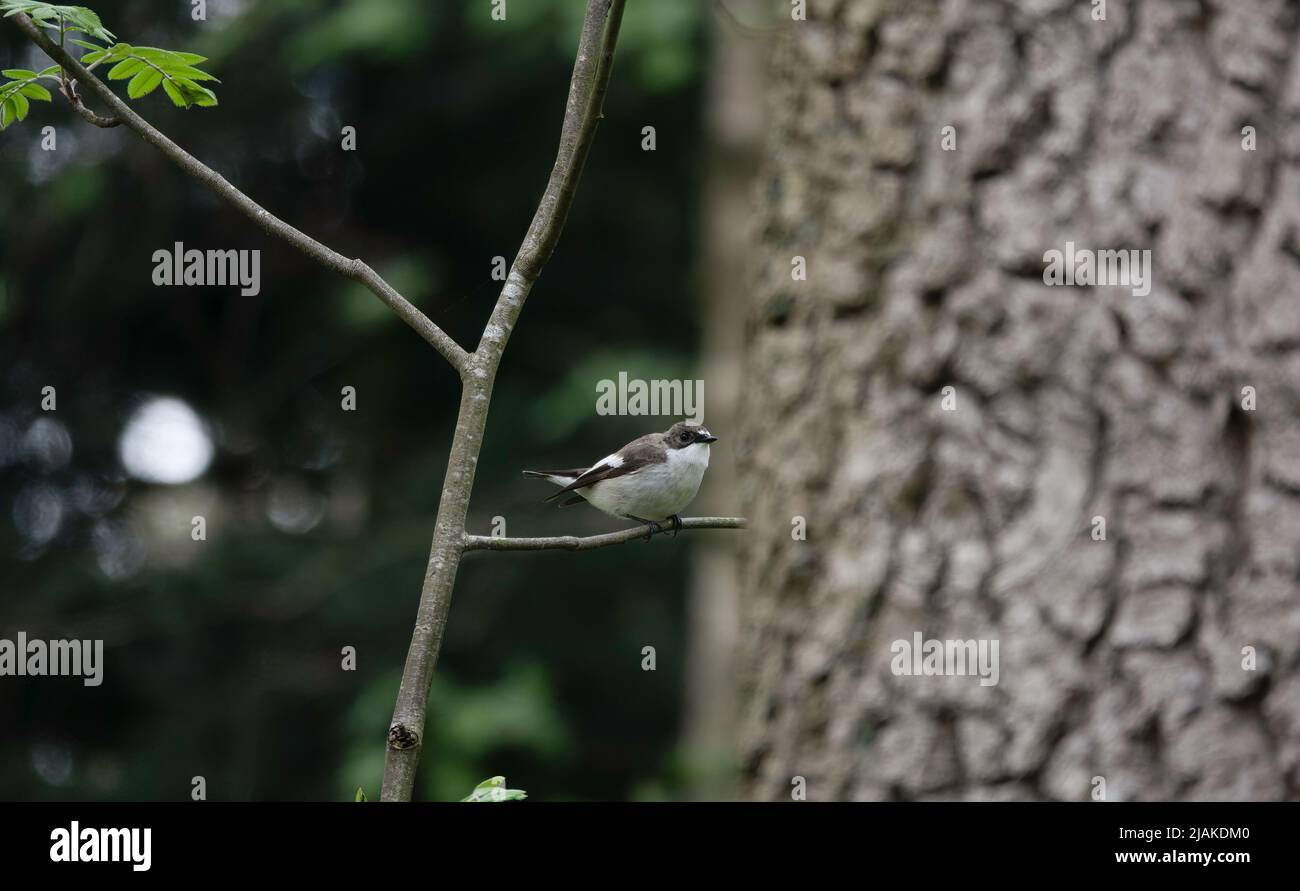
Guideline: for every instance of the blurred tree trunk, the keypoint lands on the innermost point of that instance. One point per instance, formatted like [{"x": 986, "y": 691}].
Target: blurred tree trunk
[
  {"x": 733, "y": 125},
  {"x": 1120, "y": 659}
]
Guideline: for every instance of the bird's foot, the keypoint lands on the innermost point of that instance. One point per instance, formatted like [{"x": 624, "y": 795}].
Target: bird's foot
[
  {"x": 677, "y": 524},
  {"x": 651, "y": 527}
]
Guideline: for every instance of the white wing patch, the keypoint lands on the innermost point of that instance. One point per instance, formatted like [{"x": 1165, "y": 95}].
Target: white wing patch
[{"x": 609, "y": 461}]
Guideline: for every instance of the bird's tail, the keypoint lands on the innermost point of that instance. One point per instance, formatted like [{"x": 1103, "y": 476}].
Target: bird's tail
[{"x": 560, "y": 478}]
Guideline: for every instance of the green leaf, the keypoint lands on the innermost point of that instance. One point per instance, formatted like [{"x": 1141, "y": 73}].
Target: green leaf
[
  {"x": 91, "y": 23},
  {"x": 200, "y": 96},
  {"x": 494, "y": 789},
  {"x": 73, "y": 18},
  {"x": 124, "y": 69},
  {"x": 174, "y": 93},
  {"x": 171, "y": 61},
  {"x": 152, "y": 53},
  {"x": 48, "y": 15},
  {"x": 165, "y": 57},
  {"x": 35, "y": 91},
  {"x": 19, "y": 74},
  {"x": 48, "y": 72},
  {"x": 21, "y": 105},
  {"x": 6, "y": 113},
  {"x": 189, "y": 73},
  {"x": 361, "y": 796},
  {"x": 144, "y": 83},
  {"x": 86, "y": 43},
  {"x": 188, "y": 58}
]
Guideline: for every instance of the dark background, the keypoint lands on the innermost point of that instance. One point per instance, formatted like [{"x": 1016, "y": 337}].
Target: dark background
[{"x": 222, "y": 657}]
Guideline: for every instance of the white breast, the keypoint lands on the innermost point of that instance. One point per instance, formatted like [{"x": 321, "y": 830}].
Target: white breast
[{"x": 656, "y": 492}]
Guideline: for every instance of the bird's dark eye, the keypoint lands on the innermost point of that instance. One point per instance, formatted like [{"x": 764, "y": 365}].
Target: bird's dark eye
[{"x": 686, "y": 437}]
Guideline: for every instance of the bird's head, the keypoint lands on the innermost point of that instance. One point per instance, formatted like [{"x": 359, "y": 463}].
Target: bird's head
[{"x": 682, "y": 434}]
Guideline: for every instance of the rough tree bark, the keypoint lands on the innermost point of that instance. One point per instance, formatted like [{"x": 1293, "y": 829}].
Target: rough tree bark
[{"x": 1121, "y": 658}]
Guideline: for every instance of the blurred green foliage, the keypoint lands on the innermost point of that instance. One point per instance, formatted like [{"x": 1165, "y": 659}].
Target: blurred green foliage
[{"x": 473, "y": 723}]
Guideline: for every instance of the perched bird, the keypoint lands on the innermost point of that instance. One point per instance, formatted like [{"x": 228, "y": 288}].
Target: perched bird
[{"x": 650, "y": 480}]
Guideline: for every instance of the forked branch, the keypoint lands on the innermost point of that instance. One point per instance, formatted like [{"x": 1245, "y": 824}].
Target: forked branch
[
  {"x": 477, "y": 370},
  {"x": 591, "y": 71}
]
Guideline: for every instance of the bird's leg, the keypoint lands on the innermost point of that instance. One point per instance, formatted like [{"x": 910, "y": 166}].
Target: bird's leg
[
  {"x": 677, "y": 524},
  {"x": 651, "y": 526}
]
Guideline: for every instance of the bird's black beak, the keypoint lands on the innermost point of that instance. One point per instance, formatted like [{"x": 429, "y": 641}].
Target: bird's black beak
[{"x": 708, "y": 437}]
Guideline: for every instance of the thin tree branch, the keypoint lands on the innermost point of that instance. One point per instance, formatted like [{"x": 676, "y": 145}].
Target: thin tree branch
[
  {"x": 584, "y": 111},
  {"x": 587, "y": 87},
  {"x": 591, "y": 542},
  {"x": 349, "y": 268},
  {"x": 91, "y": 118},
  {"x": 69, "y": 90}
]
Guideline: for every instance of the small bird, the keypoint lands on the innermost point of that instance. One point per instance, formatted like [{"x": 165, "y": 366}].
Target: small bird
[{"x": 650, "y": 480}]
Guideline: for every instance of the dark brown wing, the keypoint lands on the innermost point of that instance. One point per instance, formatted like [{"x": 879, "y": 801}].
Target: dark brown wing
[
  {"x": 594, "y": 475},
  {"x": 635, "y": 455}
]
